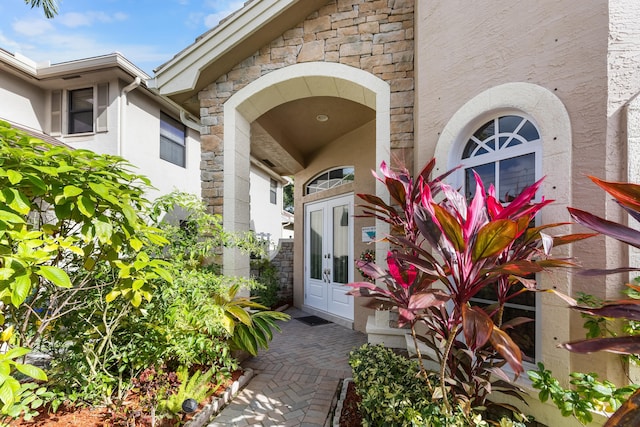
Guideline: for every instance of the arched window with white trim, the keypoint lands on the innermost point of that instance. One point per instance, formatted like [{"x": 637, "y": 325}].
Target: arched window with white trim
[
  {"x": 330, "y": 179},
  {"x": 506, "y": 151}
]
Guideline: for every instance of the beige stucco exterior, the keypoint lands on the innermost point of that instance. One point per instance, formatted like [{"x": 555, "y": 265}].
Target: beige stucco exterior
[
  {"x": 132, "y": 126},
  {"x": 446, "y": 67},
  {"x": 584, "y": 58}
]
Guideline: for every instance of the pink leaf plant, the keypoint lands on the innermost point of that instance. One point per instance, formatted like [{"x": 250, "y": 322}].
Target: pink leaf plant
[{"x": 446, "y": 251}]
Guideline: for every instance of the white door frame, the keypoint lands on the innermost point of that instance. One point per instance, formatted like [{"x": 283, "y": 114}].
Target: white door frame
[{"x": 322, "y": 292}]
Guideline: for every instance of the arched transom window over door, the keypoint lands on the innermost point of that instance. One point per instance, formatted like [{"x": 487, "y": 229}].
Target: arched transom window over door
[
  {"x": 330, "y": 179},
  {"x": 506, "y": 152}
]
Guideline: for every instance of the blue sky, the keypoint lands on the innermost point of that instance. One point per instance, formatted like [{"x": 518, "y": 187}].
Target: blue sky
[{"x": 147, "y": 32}]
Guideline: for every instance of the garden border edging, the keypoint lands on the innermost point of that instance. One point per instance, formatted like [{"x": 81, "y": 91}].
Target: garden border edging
[
  {"x": 216, "y": 405},
  {"x": 338, "y": 409}
]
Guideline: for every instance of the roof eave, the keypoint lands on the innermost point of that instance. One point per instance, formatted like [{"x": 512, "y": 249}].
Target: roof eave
[
  {"x": 89, "y": 64},
  {"x": 234, "y": 36}
]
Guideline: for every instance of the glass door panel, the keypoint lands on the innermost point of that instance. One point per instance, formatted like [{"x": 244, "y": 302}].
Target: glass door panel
[
  {"x": 316, "y": 224},
  {"x": 341, "y": 244}
]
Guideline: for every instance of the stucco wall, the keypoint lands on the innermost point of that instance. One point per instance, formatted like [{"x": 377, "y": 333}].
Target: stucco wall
[
  {"x": 22, "y": 103},
  {"x": 266, "y": 217},
  {"x": 357, "y": 148},
  {"x": 139, "y": 124},
  {"x": 141, "y": 145},
  {"x": 584, "y": 53}
]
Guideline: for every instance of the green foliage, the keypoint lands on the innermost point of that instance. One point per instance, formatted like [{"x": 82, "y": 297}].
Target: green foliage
[
  {"x": 30, "y": 397},
  {"x": 603, "y": 327},
  {"x": 63, "y": 214},
  {"x": 595, "y": 326},
  {"x": 99, "y": 347},
  {"x": 287, "y": 196},
  {"x": 200, "y": 235},
  {"x": 105, "y": 343},
  {"x": 394, "y": 393},
  {"x": 267, "y": 293},
  {"x": 587, "y": 395},
  {"x": 50, "y": 7},
  {"x": 199, "y": 386},
  {"x": 191, "y": 320},
  {"x": 64, "y": 211},
  {"x": 248, "y": 323},
  {"x": 87, "y": 274},
  {"x": 13, "y": 395}
]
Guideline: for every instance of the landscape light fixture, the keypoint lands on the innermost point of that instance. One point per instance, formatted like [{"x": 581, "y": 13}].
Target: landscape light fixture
[{"x": 189, "y": 405}]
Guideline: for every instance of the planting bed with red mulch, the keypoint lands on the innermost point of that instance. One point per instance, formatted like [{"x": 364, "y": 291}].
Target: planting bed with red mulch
[
  {"x": 107, "y": 417},
  {"x": 350, "y": 416}
]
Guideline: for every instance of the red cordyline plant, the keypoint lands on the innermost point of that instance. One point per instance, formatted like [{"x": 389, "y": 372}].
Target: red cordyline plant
[
  {"x": 444, "y": 254},
  {"x": 628, "y": 196}
]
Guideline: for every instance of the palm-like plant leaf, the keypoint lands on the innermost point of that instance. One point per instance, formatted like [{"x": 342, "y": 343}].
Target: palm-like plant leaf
[
  {"x": 626, "y": 193},
  {"x": 609, "y": 228},
  {"x": 619, "y": 309},
  {"x": 619, "y": 345},
  {"x": 508, "y": 349}
]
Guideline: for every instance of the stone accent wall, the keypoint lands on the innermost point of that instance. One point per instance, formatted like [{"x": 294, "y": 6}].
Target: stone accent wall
[
  {"x": 375, "y": 35},
  {"x": 283, "y": 261}
]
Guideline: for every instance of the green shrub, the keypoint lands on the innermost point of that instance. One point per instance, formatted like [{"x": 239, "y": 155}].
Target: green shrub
[
  {"x": 394, "y": 393},
  {"x": 267, "y": 277},
  {"x": 587, "y": 395},
  {"x": 198, "y": 386},
  {"x": 64, "y": 214},
  {"x": 391, "y": 389}
]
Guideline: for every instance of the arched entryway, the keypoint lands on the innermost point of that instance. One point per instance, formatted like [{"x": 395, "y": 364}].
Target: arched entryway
[{"x": 247, "y": 130}]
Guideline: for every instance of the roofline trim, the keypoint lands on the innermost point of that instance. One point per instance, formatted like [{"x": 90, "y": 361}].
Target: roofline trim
[
  {"x": 48, "y": 71},
  {"x": 181, "y": 73}
]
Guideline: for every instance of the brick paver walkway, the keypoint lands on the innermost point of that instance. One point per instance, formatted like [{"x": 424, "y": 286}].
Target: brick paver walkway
[{"x": 296, "y": 379}]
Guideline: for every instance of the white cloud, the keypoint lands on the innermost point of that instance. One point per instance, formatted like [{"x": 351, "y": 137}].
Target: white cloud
[
  {"x": 32, "y": 26},
  {"x": 8, "y": 44},
  {"x": 85, "y": 19},
  {"x": 195, "y": 19},
  {"x": 68, "y": 47},
  {"x": 211, "y": 20}
]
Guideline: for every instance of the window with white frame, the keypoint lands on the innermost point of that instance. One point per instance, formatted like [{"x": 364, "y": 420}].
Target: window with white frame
[
  {"x": 79, "y": 111},
  {"x": 506, "y": 151},
  {"x": 330, "y": 179},
  {"x": 172, "y": 140},
  {"x": 273, "y": 191}
]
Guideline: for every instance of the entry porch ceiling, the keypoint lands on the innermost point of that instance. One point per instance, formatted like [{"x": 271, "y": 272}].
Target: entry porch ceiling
[{"x": 290, "y": 135}]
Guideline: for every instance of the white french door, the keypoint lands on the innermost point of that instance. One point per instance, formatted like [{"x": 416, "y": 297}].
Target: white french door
[{"x": 329, "y": 255}]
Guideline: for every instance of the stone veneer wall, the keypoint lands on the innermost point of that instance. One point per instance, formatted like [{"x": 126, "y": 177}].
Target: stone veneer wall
[
  {"x": 283, "y": 261},
  {"x": 375, "y": 36}
]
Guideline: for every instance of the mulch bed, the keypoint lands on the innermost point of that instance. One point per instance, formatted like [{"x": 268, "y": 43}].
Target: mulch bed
[
  {"x": 70, "y": 416},
  {"x": 350, "y": 416}
]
